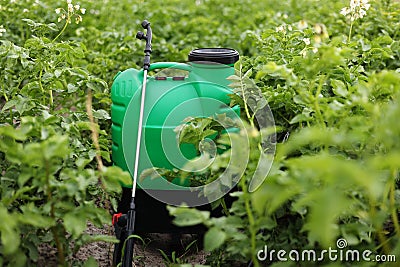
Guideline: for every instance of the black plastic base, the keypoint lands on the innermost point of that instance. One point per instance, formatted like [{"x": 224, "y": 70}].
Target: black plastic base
[{"x": 152, "y": 215}]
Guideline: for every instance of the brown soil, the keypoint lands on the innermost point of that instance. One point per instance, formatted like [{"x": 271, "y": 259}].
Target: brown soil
[{"x": 147, "y": 254}]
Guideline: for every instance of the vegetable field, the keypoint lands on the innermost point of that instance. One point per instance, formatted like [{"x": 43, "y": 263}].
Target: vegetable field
[{"x": 329, "y": 71}]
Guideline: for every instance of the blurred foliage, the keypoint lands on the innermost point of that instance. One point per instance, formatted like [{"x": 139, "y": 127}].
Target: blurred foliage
[{"x": 335, "y": 98}]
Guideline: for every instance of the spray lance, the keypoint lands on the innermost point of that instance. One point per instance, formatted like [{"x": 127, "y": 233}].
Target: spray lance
[{"x": 130, "y": 226}]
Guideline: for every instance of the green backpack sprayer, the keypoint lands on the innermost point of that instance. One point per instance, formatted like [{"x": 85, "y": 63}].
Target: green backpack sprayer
[{"x": 145, "y": 111}]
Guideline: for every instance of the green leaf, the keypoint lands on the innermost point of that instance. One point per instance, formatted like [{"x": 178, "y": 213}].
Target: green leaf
[
  {"x": 272, "y": 194},
  {"x": 33, "y": 251},
  {"x": 101, "y": 114},
  {"x": 17, "y": 134},
  {"x": 58, "y": 72},
  {"x": 72, "y": 88},
  {"x": 56, "y": 146},
  {"x": 75, "y": 223},
  {"x": 326, "y": 205},
  {"x": 31, "y": 216},
  {"x": 267, "y": 222},
  {"x": 214, "y": 238},
  {"x": 300, "y": 118},
  {"x": 233, "y": 78},
  {"x": 187, "y": 216},
  {"x": 10, "y": 239},
  {"x": 247, "y": 74},
  {"x": 99, "y": 238},
  {"x": 339, "y": 88},
  {"x": 9, "y": 104},
  {"x": 151, "y": 173},
  {"x": 90, "y": 262},
  {"x": 24, "y": 177},
  {"x": 114, "y": 176}
]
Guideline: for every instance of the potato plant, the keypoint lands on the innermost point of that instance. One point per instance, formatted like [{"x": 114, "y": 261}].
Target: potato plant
[{"x": 332, "y": 84}]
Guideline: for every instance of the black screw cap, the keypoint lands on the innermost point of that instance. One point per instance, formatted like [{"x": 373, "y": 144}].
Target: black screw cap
[
  {"x": 145, "y": 24},
  {"x": 218, "y": 55}
]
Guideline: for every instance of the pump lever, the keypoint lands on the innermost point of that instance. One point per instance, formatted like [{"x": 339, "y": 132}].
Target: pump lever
[{"x": 141, "y": 36}]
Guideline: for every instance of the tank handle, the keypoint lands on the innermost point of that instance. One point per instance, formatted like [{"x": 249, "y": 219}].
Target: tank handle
[{"x": 173, "y": 65}]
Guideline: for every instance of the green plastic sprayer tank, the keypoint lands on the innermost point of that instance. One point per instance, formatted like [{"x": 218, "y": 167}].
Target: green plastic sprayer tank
[{"x": 200, "y": 92}]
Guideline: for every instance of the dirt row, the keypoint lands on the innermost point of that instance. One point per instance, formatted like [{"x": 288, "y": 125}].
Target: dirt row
[{"x": 148, "y": 252}]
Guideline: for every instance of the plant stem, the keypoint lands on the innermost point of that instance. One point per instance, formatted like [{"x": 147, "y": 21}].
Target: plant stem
[
  {"x": 242, "y": 87},
  {"x": 95, "y": 139},
  {"x": 59, "y": 245},
  {"x": 42, "y": 89},
  {"x": 11, "y": 117},
  {"x": 95, "y": 134},
  {"x": 318, "y": 113},
  {"x": 40, "y": 84},
  {"x": 250, "y": 216},
  {"x": 223, "y": 204},
  {"x": 393, "y": 204},
  {"x": 63, "y": 29},
  {"x": 381, "y": 237},
  {"x": 60, "y": 248},
  {"x": 4, "y": 93},
  {"x": 351, "y": 29}
]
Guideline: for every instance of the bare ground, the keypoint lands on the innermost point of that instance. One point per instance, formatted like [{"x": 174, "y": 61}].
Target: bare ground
[{"x": 145, "y": 254}]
